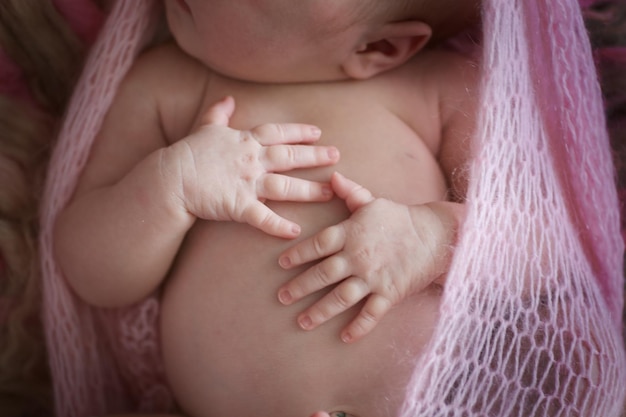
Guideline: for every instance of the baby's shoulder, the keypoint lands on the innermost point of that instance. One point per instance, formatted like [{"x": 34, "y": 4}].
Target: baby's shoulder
[
  {"x": 171, "y": 82},
  {"x": 452, "y": 77},
  {"x": 433, "y": 77},
  {"x": 436, "y": 81},
  {"x": 165, "y": 67},
  {"x": 443, "y": 67}
]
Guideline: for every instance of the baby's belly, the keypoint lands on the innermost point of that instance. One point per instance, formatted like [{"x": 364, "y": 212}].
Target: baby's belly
[{"x": 220, "y": 302}]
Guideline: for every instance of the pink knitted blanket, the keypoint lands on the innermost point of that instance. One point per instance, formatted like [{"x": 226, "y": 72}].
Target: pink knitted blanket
[{"x": 531, "y": 316}]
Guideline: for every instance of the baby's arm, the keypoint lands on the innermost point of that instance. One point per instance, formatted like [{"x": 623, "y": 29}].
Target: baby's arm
[
  {"x": 138, "y": 196},
  {"x": 383, "y": 253}
]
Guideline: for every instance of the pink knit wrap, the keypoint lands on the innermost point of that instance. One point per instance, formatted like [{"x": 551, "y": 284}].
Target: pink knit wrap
[{"x": 531, "y": 315}]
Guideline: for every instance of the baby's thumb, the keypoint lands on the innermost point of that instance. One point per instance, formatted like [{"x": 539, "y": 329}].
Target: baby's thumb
[
  {"x": 355, "y": 195},
  {"x": 220, "y": 112}
]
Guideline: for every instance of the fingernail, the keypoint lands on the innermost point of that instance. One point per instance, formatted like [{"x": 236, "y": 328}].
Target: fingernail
[
  {"x": 316, "y": 131},
  {"x": 333, "y": 153},
  {"x": 284, "y": 261},
  {"x": 305, "y": 322},
  {"x": 346, "y": 337},
  {"x": 285, "y": 297},
  {"x": 327, "y": 191},
  {"x": 295, "y": 229}
]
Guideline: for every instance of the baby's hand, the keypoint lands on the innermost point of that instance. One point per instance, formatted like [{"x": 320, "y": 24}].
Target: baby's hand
[
  {"x": 378, "y": 254},
  {"x": 227, "y": 174}
]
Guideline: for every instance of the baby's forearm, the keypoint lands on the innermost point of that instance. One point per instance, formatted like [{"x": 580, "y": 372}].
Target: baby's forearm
[{"x": 116, "y": 243}]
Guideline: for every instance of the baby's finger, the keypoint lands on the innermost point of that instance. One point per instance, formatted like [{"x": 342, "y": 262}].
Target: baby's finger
[
  {"x": 220, "y": 112},
  {"x": 326, "y": 273},
  {"x": 371, "y": 314},
  {"x": 263, "y": 218},
  {"x": 278, "y": 158},
  {"x": 321, "y": 245},
  {"x": 355, "y": 195},
  {"x": 279, "y": 133},
  {"x": 344, "y": 296},
  {"x": 283, "y": 188}
]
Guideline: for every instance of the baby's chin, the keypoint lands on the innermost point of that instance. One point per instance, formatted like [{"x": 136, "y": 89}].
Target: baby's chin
[{"x": 260, "y": 73}]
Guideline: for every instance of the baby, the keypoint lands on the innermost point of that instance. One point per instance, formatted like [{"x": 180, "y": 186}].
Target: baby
[{"x": 168, "y": 163}]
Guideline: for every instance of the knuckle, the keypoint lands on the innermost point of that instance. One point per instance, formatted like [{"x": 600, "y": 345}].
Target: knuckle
[
  {"x": 320, "y": 314},
  {"x": 248, "y": 214},
  {"x": 391, "y": 290},
  {"x": 276, "y": 186},
  {"x": 362, "y": 325},
  {"x": 281, "y": 153},
  {"x": 269, "y": 222},
  {"x": 358, "y": 232},
  {"x": 270, "y": 130},
  {"x": 250, "y": 137},
  {"x": 258, "y": 132},
  {"x": 263, "y": 220},
  {"x": 322, "y": 275},
  {"x": 319, "y": 243},
  {"x": 325, "y": 239},
  {"x": 364, "y": 255},
  {"x": 341, "y": 297},
  {"x": 287, "y": 153},
  {"x": 279, "y": 130},
  {"x": 378, "y": 307},
  {"x": 369, "y": 315},
  {"x": 365, "y": 262},
  {"x": 248, "y": 158},
  {"x": 349, "y": 292}
]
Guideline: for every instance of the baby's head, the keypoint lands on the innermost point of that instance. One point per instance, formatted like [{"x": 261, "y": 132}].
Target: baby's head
[{"x": 311, "y": 40}]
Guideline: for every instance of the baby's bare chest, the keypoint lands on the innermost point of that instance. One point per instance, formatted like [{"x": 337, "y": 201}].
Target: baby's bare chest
[{"x": 378, "y": 148}]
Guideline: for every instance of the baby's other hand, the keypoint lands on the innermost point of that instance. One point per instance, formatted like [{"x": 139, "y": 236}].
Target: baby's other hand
[
  {"x": 227, "y": 174},
  {"x": 378, "y": 255}
]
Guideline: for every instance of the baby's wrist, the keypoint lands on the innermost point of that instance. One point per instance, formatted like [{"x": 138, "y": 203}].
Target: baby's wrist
[
  {"x": 442, "y": 221},
  {"x": 169, "y": 185},
  {"x": 450, "y": 216}
]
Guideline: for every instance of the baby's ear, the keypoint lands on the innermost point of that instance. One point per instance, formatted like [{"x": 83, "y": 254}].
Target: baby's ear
[{"x": 388, "y": 47}]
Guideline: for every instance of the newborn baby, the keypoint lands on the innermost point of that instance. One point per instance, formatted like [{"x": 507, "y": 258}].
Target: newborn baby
[{"x": 144, "y": 213}]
